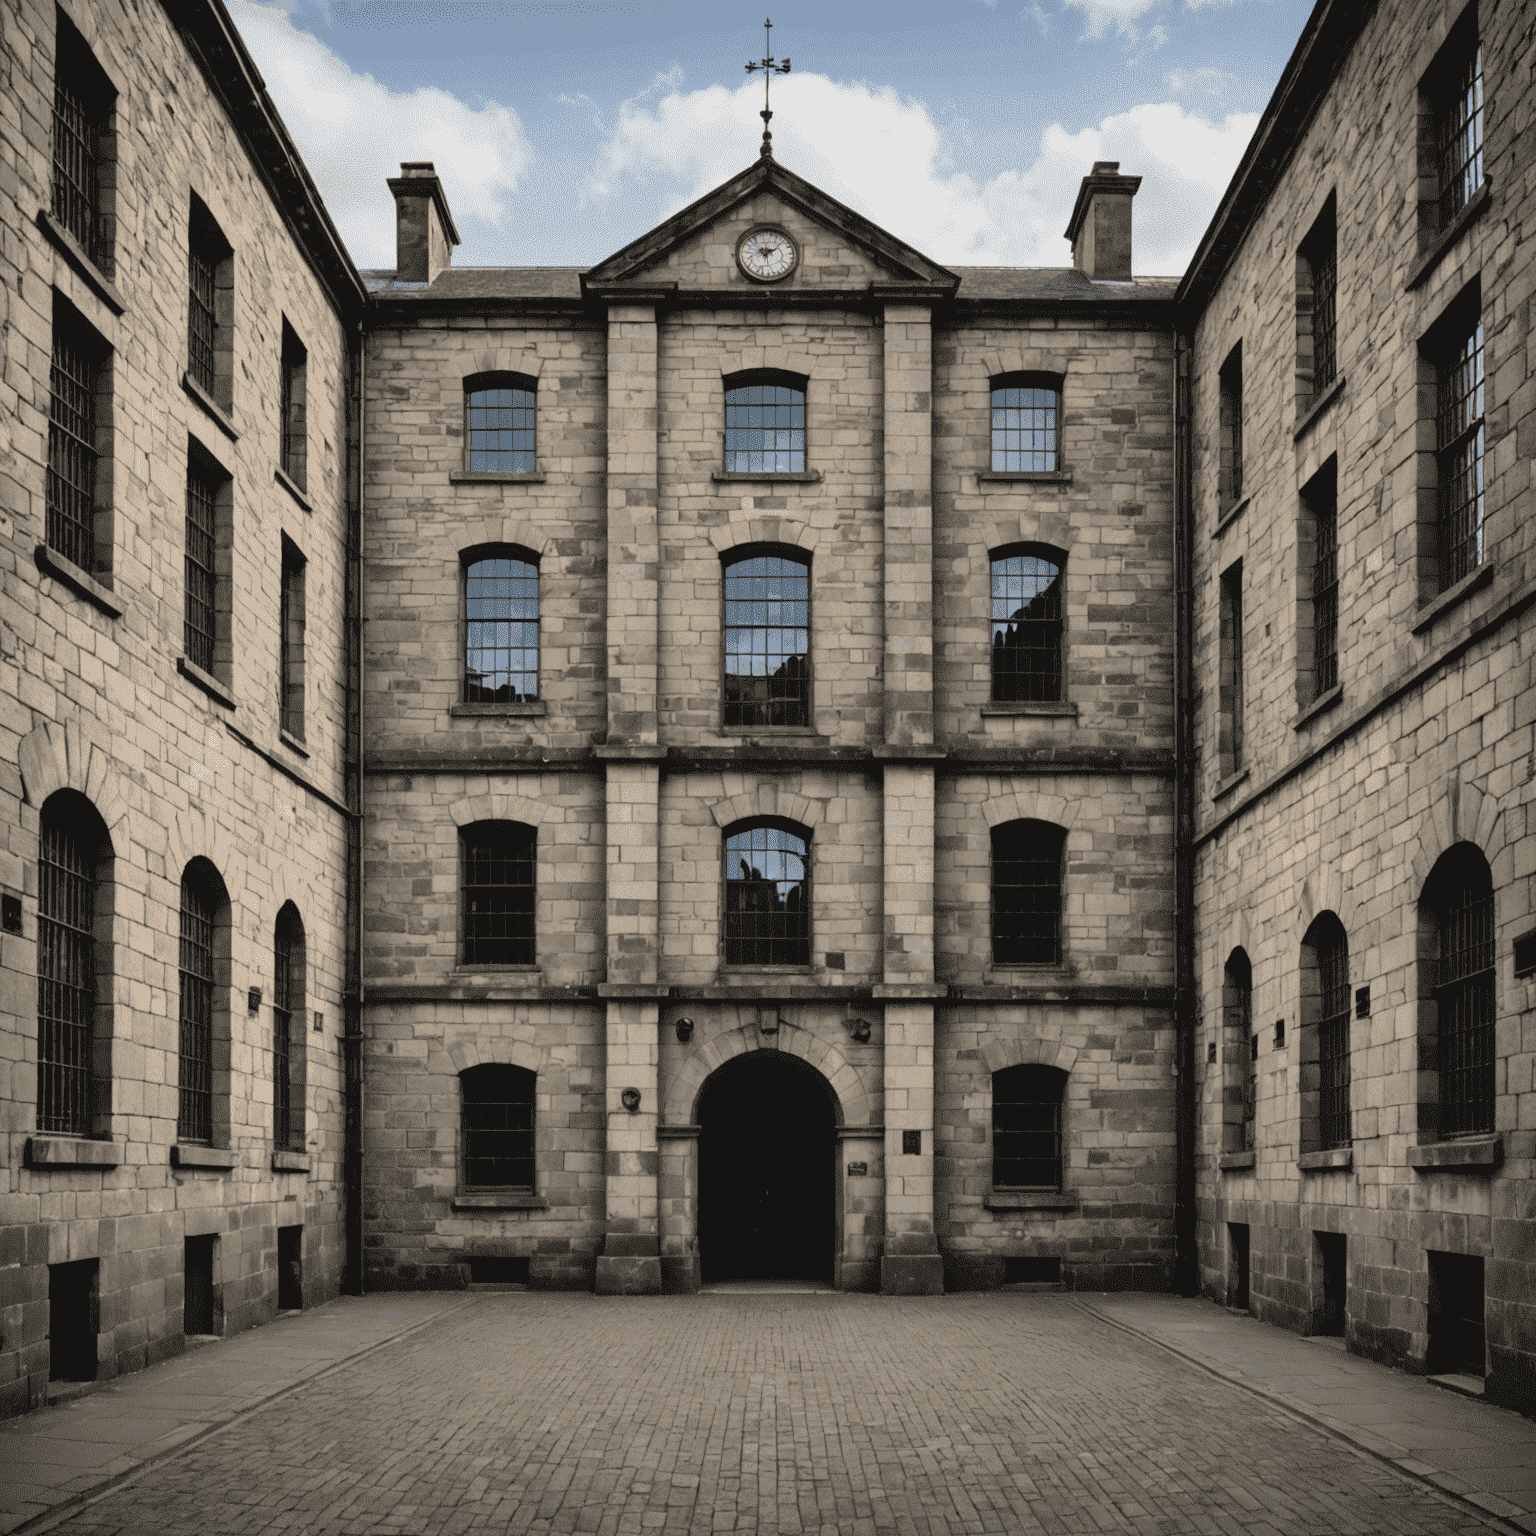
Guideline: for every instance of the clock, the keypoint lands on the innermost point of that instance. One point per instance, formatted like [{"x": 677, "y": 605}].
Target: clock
[{"x": 766, "y": 254}]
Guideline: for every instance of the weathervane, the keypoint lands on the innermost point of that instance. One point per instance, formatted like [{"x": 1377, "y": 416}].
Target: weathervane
[{"x": 770, "y": 67}]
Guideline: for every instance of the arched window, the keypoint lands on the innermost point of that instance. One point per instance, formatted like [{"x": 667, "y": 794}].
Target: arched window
[
  {"x": 767, "y": 894},
  {"x": 1026, "y": 893},
  {"x": 288, "y": 989},
  {"x": 765, "y": 422},
  {"x": 1026, "y": 423},
  {"x": 499, "y": 412},
  {"x": 767, "y": 638},
  {"x": 501, "y": 626},
  {"x": 1026, "y": 624},
  {"x": 72, "y": 846},
  {"x": 497, "y": 1127},
  {"x": 1326, "y": 1119},
  {"x": 204, "y": 923},
  {"x": 1026, "y": 1127},
  {"x": 1239, "y": 1052},
  {"x": 499, "y": 863},
  {"x": 1458, "y": 902}
]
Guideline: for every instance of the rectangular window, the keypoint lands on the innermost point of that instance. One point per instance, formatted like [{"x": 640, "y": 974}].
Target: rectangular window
[
  {"x": 1230, "y": 694},
  {"x": 500, "y": 867},
  {"x": 83, "y": 156},
  {"x": 767, "y": 641},
  {"x": 1333, "y": 1047},
  {"x": 1230, "y": 471},
  {"x": 1466, "y": 1012},
  {"x": 66, "y": 972},
  {"x": 1318, "y": 568},
  {"x": 1026, "y": 423},
  {"x": 290, "y": 670},
  {"x": 1459, "y": 125},
  {"x": 201, "y": 597},
  {"x": 1317, "y": 284},
  {"x": 294, "y": 442},
  {"x": 73, "y": 381},
  {"x": 194, "y": 1116},
  {"x": 764, "y": 426},
  {"x": 1027, "y": 626},
  {"x": 210, "y": 307},
  {"x": 1459, "y": 436}
]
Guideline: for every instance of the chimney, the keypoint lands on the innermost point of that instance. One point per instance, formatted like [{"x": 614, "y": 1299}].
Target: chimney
[
  {"x": 1100, "y": 226},
  {"x": 424, "y": 232}
]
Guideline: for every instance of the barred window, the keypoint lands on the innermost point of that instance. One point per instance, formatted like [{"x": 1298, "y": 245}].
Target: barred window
[
  {"x": 1026, "y": 1127},
  {"x": 201, "y": 595},
  {"x": 287, "y": 998},
  {"x": 1459, "y": 456},
  {"x": 1026, "y": 893},
  {"x": 291, "y": 626},
  {"x": 209, "y": 277},
  {"x": 293, "y": 442},
  {"x": 501, "y": 608},
  {"x": 499, "y": 863},
  {"x": 1317, "y": 313},
  {"x": 1026, "y": 423},
  {"x": 70, "y": 844},
  {"x": 767, "y": 639},
  {"x": 1240, "y": 1043},
  {"x": 1460, "y": 130},
  {"x": 82, "y": 106},
  {"x": 194, "y": 1115},
  {"x": 201, "y": 310},
  {"x": 71, "y": 482},
  {"x": 1462, "y": 889},
  {"x": 500, "y": 411},
  {"x": 1230, "y": 471},
  {"x": 1027, "y": 625},
  {"x": 1231, "y": 680},
  {"x": 767, "y": 894},
  {"x": 1330, "y": 955},
  {"x": 765, "y": 423},
  {"x": 497, "y": 1104},
  {"x": 1322, "y": 503}
]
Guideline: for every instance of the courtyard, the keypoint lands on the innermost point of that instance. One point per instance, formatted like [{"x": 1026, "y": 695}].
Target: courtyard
[{"x": 768, "y": 1411}]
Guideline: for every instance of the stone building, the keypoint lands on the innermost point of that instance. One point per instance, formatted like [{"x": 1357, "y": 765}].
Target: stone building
[{"x": 765, "y": 756}]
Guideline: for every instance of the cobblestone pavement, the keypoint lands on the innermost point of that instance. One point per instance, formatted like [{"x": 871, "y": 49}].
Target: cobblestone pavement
[{"x": 770, "y": 1413}]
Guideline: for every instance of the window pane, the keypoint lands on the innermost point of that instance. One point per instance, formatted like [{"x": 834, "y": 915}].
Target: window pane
[
  {"x": 767, "y": 642},
  {"x": 1024, "y": 428},
  {"x": 66, "y": 981},
  {"x": 767, "y": 898},
  {"x": 1461, "y": 138},
  {"x": 764, "y": 429},
  {"x": 501, "y": 601},
  {"x": 71, "y": 485},
  {"x": 499, "y": 872},
  {"x": 194, "y": 1118},
  {"x": 1026, "y": 894},
  {"x": 200, "y": 317},
  {"x": 498, "y": 1105},
  {"x": 198, "y": 630},
  {"x": 1459, "y": 433},
  {"x": 1026, "y": 628},
  {"x": 75, "y": 186},
  {"x": 1333, "y": 1047},
  {"x": 1026, "y": 1128},
  {"x": 501, "y": 430},
  {"x": 1464, "y": 996},
  {"x": 282, "y": 1022}
]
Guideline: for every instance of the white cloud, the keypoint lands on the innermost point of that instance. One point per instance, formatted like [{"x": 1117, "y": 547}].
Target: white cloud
[
  {"x": 884, "y": 155},
  {"x": 355, "y": 132},
  {"x": 1119, "y": 14},
  {"x": 1203, "y": 81}
]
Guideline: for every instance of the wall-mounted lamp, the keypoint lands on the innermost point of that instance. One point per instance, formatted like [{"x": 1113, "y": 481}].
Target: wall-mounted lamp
[
  {"x": 685, "y": 1030},
  {"x": 630, "y": 1099},
  {"x": 860, "y": 1029},
  {"x": 253, "y": 999}
]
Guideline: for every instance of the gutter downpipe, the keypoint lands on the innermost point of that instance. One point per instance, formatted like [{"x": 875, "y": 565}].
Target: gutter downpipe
[
  {"x": 353, "y": 1038},
  {"x": 1186, "y": 1125}
]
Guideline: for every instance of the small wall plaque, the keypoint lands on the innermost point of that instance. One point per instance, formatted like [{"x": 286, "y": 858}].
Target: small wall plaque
[
  {"x": 912, "y": 1143},
  {"x": 858, "y": 1170}
]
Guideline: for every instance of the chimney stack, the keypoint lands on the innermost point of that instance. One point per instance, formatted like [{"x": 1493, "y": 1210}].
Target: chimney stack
[
  {"x": 424, "y": 232},
  {"x": 1100, "y": 226}
]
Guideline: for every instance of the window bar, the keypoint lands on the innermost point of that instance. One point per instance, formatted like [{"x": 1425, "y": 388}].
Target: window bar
[
  {"x": 200, "y": 319},
  {"x": 282, "y": 1025},
  {"x": 285, "y": 417},
  {"x": 1461, "y": 140},
  {"x": 1026, "y": 629},
  {"x": 1459, "y": 430},
  {"x": 194, "y": 1118},
  {"x": 1334, "y": 1129},
  {"x": 199, "y": 626},
  {"x": 1465, "y": 998},
  {"x": 1235, "y": 440},
  {"x": 66, "y": 983},
  {"x": 75, "y": 182},
  {"x": 1325, "y": 294},
  {"x": 1325, "y": 598},
  {"x": 71, "y": 493}
]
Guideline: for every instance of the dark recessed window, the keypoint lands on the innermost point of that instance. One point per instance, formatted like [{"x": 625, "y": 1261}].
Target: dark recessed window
[
  {"x": 767, "y": 896},
  {"x": 500, "y": 412},
  {"x": 767, "y": 640},
  {"x": 210, "y": 275},
  {"x": 72, "y": 466},
  {"x": 1321, "y": 498},
  {"x": 1459, "y": 431},
  {"x": 1230, "y": 473},
  {"x": 82, "y": 109},
  {"x": 1026, "y": 893},
  {"x": 501, "y": 611},
  {"x": 497, "y": 1104},
  {"x": 287, "y": 996},
  {"x": 1462, "y": 892},
  {"x": 499, "y": 890},
  {"x": 1329, "y": 954},
  {"x": 1026, "y": 1127},
  {"x": 1026, "y": 625},
  {"x": 1239, "y": 1042},
  {"x": 1230, "y": 657},
  {"x": 200, "y": 566},
  {"x": 1026, "y": 423},
  {"x": 765, "y": 423},
  {"x": 292, "y": 418},
  {"x": 291, "y": 625},
  {"x": 194, "y": 1116},
  {"x": 1318, "y": 299},
  {"x": 1459, "y": 136}
]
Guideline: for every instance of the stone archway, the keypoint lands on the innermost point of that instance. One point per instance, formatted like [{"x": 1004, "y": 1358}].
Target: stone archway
[{"x": 767, "y": 1171}]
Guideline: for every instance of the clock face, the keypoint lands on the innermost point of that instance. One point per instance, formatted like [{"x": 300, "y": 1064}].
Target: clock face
[{"x": 767, "y": 254}]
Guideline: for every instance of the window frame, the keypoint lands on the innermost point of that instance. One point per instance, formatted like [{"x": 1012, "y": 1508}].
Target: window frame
[
  {"x": 486, "y": 383},
  {"x": 80, "y": 361},
  {"x": 1057, "y": 558},
  {"x": 1318, "y": 581},
  {"x": 78, "y": 73},
  {"x": 1327, "y": 1109},
  {"x": 210, "y": 345},
  {"x": 1018, "y": 1079},
  {"x": 289, "y": 999},
  {"x": 739, "y": 960},
  {"x": 758, "y": 378},
  {"x": 213, "y": 586},
  {"x": 1317, "y": 293},
  {"x": 528, "y": 837},
  {"x": 1019, "y": 828},
  {"x": 291, "y": 625},
  {"x": 292, "y": 416},
  {"x": 513, "y": 1076},
  {"x": 806, "y": 724},
  {"x": 1452, "y": 469},
  {"x": 202, "y": 1103},
  {"x": 1054, "y": 383},
  {"x": 1230, "y": 678},
  {"x": 1229, "y": 469},
  {"x": 468, "y": 560},
  {"x": 1455, "y": 177},
  {"x": 1239, "y": 1076}
]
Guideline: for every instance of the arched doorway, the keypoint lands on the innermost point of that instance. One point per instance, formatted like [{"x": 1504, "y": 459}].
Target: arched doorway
[{"x": 766, "y": 1171}]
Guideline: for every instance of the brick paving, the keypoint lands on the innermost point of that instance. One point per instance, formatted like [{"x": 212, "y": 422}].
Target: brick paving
[{"x": 769, "y": 1413}]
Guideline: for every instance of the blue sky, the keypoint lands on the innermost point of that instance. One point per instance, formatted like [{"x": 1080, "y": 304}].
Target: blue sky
[{"x": 563, "y": 129}]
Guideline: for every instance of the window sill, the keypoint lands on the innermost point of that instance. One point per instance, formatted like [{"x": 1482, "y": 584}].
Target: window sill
[
  {"x": 739, "y": 973},
  {"x": 1224, "y": 520},
  {"x": 507, "y": 1202},
  {"x": 186, "y": 1155},
  {"x": 207, "y": 682},
  {"x": 467, "y": 972},
  {"x": 1324, "y": 1162},
  {"x": 293, "y": 488},
  {"x": 293, "y": 743},
  {"x": 789, "y": 477},
  {"x": 495, "y": 477},
  {"x": 528, "y": 710},
  {"x": 750, "y": 732},
  {"x": 1237, "y": 1162},
  {"x": 1319, "y": 706},
  {"x": 72, "y": 1152},
  {"x": 1452, "y": 233},
  {"x": 1452, "y": 597},
  {"x": 1228, "y": 784},
  {"x": 1317, "y": 408},
  {"x": 1025, "y": 476},
  {"x": 284, "y": 1161},
  {"x": 1028, "y": 1200},
  {"x": 53, "y": 564},
  {"x": 1476, "y": 1153},
  {"x": 1041, "y": 707},
  {"x": 74, "y": 253},
  {"x": 221, "y": 417}
]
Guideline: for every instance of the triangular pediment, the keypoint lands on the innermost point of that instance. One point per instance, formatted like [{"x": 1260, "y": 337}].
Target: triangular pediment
[{"x": 838, "y": 250}]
